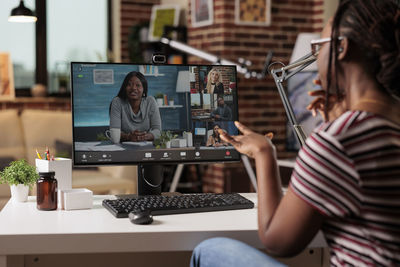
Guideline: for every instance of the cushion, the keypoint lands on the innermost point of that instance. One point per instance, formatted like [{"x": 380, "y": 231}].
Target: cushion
[
  {"x": 63, "y": 149},
  {"x": 11, "y": 137},
  {"x": 121, "y": 172},
  {"x": 5, "y": 161},
  {"x": 102, "y": 183},
  {"x": 42, "y": 128}
]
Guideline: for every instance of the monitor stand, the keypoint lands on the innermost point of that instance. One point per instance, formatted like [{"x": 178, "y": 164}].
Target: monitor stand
[{"x": 149, "y": 180}]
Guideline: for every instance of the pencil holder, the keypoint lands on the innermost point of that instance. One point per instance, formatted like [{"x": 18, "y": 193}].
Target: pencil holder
[{"x": 63, "y": 172}]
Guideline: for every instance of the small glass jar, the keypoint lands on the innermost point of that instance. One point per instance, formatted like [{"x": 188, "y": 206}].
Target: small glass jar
[{"x": 46, "y": 194}]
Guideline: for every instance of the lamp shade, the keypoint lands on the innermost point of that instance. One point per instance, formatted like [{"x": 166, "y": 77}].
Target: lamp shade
[
  {"x": 302, "y": 47},
  {"x": 22, "y": 14},
  {"x": 183, "y": 82}
]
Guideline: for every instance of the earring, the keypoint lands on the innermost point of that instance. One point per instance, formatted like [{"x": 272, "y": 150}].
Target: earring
[{"x": 340, "y": 49}]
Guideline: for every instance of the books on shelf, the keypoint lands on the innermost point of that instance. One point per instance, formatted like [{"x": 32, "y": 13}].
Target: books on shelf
[
  {"x": 165, "y": 100},
  {"x": 150, "y": 70}
]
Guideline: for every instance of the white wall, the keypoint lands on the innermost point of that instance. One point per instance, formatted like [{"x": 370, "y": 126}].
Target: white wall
[{"x": 330, "y": 7}]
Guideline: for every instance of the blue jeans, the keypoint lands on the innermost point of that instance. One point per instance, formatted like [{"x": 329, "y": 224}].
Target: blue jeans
[{"x": 226, "y": 252}]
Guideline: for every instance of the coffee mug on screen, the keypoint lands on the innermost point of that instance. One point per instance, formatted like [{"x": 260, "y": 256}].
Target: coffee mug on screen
[{"x": 114, "y": 134}]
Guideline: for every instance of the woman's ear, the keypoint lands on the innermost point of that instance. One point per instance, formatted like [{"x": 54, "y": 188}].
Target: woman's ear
[{"x": 343, "y": 48}]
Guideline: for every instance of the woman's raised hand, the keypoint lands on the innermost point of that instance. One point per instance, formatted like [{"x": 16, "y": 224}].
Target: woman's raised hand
[
  {"x": 336, "y": 106},
  {"x": 250, "y": 143}
]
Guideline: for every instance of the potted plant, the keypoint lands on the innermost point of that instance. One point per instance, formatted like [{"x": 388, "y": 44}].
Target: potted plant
[
  {"x": 159, "y": 98},
  {"x": 20, "y": 176},
  {"x": 165, "y": 139}
]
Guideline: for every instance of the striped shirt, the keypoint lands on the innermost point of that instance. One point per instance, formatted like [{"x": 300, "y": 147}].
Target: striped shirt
[{"x": 349, "y": 170}]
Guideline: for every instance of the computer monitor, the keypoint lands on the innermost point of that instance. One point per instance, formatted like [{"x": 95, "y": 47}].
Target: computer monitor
[{"x": 149, "y": 115}]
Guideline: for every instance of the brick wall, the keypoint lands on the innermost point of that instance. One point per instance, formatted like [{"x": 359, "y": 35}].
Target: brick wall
[
  {"x": 133, "y": 12},
  {"x": 259, "y": 104}
]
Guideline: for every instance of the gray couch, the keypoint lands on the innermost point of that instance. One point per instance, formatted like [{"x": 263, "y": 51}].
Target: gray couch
[{"x": 24, "y": 132}]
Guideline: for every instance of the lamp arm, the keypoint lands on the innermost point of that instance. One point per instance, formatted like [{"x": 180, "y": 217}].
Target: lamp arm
[
  {"x": 305, "y": 65},
  {"x": 280, "y": 75},
  {"x": 303, "y": 60},
  {"x": 199, "y": 53},
  {"x": 298, "y": 129}
]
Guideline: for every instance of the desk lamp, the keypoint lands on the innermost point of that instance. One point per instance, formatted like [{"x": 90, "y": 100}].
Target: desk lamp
[
  {"x": 280, "y": 75},
  {"x": 241, "y": 67}
]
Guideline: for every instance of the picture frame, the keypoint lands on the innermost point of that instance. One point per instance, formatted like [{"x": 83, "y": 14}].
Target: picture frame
[
  {"x": 253, "y": 12},
  {"x": 162, "y": 15},
  {"x": 7, "y": 89},
  {"x": 202, "y": 13}
]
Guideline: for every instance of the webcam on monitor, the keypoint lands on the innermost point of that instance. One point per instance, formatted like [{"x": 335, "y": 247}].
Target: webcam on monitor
[{"x": 159, "y": 59}]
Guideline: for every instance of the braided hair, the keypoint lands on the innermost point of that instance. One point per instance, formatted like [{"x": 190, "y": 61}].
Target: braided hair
[{"x": 373, "y": 26}]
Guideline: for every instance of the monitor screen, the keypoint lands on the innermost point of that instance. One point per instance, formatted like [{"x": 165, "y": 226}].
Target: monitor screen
[{"x": 138, "y": 114}]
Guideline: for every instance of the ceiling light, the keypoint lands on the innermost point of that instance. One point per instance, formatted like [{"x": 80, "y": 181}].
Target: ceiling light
[{"x": 22, "y": 14}]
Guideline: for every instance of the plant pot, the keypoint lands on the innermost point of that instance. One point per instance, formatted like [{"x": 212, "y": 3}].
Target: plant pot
[
  {"x": 168, "y": 144},
  {"x": 19, "y": 193},
  {"x": 160, "y": 102}
]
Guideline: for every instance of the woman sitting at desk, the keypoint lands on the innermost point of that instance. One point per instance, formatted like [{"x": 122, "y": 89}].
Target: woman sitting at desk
[
  {"x": 133, "y": 112},
  {"x": 215, "y": 139},
  {"x": 346, "y": 177}
]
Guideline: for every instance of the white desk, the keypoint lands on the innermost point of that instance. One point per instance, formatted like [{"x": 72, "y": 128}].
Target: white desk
[{"x": 25, "y": 230}]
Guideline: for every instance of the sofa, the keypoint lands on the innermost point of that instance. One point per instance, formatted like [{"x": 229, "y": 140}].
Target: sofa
[{"x": 25, "y": 131}]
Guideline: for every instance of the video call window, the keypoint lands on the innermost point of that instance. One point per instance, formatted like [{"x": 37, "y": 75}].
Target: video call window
[{"x": 127, "y": 109}]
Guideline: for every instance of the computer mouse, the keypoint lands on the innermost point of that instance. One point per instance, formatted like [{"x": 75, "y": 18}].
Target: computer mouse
[{"x": 140, "y": 217}]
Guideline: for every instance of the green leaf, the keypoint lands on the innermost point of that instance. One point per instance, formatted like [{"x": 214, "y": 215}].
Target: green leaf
[
  {"x": 19, "y": 172},
  {"x": 165, "y": 136}
]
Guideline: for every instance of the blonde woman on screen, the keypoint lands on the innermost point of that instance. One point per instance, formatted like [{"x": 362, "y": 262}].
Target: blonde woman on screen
[{"x": 214, "y": 82}]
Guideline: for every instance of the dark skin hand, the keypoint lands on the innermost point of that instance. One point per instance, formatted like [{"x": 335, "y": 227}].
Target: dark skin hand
[
  {"x": 335, "y": 108},
  {"x": 286, "y": 224},
  {"x": 137, "y": 136}
]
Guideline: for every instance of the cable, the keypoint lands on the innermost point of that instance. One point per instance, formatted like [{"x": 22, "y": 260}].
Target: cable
[{"x": 150, "y": 184}]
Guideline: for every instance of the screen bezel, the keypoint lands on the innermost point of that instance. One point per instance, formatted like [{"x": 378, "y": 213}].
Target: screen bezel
[{"x": 113, "y": 163}]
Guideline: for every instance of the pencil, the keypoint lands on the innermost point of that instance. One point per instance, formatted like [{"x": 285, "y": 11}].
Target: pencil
[
  {"x": 47, "y": 154},
  {"x": 38, "y": 155}
]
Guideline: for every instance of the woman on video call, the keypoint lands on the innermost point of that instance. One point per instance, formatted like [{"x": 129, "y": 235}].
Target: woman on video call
[
  {"x": 346, "y": 179},
  {"x": 214, "y": 82},
  {"x": 215, "y": 139},
  {"x": 134, "y": 112}
]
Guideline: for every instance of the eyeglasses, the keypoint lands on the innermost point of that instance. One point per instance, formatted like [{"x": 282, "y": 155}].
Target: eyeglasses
[{"x": 317, "y": 44}]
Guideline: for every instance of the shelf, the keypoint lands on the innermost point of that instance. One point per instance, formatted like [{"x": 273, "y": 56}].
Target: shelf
[
  {"x": 174, "y": 106},
  {"x": 153, "y": 74}
]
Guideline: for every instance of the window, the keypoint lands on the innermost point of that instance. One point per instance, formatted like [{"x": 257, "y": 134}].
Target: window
[
  {"x": 76, "y": 31},
  {"x": 18, "y": 39}
]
